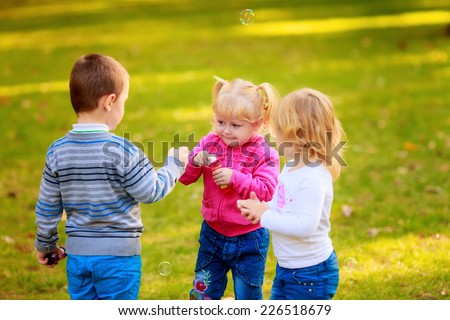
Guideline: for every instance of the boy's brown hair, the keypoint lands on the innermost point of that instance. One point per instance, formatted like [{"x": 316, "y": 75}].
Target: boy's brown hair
[{"x": 93, "y": 76}]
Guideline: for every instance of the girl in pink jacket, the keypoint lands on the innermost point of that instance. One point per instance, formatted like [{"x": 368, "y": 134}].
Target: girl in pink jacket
[{"x": 234, "y": 160}]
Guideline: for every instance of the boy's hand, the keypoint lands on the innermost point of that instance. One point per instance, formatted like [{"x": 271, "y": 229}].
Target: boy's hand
[
  {"x": 201, "y": 159},
  {"x": 182, "y": 154},
  {"x": 42, "y": 259}
]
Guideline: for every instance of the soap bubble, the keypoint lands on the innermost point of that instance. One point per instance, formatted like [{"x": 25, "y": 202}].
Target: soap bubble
[
  {"x": 350, "y": 264},
  {"x": 247, "y": 16},
  {"x": 165, "y": 268}
]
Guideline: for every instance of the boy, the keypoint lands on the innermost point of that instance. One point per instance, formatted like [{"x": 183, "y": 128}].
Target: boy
[{"x": 98, "y": 179}]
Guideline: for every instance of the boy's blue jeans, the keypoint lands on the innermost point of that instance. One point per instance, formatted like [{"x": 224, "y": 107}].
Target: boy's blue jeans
[
  {"x": 317, "y": 282},
  {"x": 103, "y": 277},
  {"x": 244, "y": 255}
]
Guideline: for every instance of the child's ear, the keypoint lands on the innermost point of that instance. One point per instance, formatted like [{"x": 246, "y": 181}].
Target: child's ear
[
  {"x": 257, "y": 124},
  {"x": 108, "y": 100}
]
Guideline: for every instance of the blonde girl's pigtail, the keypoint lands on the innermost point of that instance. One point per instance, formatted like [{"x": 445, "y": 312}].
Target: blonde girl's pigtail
[
  {"x": 269, "y": 100},
  {"x": 217, "y": 87}
]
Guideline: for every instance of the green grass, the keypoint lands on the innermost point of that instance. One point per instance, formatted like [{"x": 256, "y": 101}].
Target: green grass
[{"x": 389, "y": 83}]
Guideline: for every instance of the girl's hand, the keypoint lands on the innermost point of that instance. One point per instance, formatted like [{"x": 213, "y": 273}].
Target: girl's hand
[
  {"x": 222, "y": 176},
  {"x": 252, "y": 208},
  {"x": 201, "y": 159}
]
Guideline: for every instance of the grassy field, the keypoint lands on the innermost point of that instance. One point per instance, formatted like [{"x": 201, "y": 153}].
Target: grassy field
[{"x": 385, "y": 64}]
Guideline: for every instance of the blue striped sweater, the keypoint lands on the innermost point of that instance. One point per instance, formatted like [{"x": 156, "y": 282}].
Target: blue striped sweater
[{"x": 98, "y": 179}]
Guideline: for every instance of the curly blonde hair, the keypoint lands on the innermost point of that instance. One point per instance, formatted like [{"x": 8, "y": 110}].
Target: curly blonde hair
[{"x": 306, "y": 119}]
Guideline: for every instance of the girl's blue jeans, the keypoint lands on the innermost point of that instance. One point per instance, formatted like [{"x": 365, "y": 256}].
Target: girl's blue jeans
[
  {"x": 317, "y": 282},
  {"x": 244, "y": 255},
  {"x": 103, "y": 277}
]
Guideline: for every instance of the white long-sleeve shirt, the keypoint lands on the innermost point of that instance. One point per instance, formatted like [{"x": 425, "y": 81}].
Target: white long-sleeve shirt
[{"x": 299, "y": 216}]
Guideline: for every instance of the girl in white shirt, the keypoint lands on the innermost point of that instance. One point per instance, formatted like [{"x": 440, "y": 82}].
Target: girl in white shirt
[{"x": 309, "y": 135}]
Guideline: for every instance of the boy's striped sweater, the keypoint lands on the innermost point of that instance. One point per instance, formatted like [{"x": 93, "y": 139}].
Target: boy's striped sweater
[{"x": 98, "y": 179}]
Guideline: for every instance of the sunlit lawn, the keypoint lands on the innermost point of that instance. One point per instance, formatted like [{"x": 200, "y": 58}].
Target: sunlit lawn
[{"x": 385, "y": 65}]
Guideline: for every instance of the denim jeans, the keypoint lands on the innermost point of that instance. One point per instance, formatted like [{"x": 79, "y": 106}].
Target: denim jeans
[
  {"x": 317, "y": 282},
  {"x": 103, "y": 277},
  {"x": 244, "y": 255}
]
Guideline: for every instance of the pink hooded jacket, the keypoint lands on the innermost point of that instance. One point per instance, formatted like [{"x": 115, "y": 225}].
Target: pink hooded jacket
[{"x": 255, "y": 165}]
